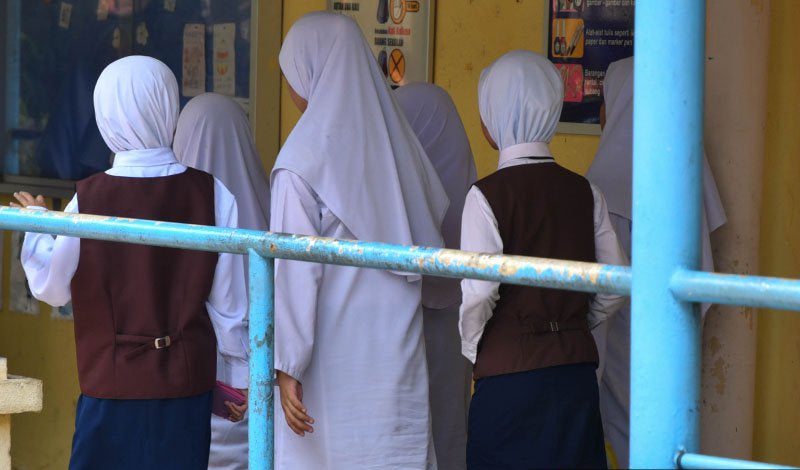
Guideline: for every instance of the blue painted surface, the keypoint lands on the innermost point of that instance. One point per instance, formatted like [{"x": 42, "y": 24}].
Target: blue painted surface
[
  {"x": 672, "y": 373},
  {"x": 261, "y": 399},
  {"x": 667, "y": 149},
  {"x": 753, "y": 291},
  {"x": 707, "y": 461}
]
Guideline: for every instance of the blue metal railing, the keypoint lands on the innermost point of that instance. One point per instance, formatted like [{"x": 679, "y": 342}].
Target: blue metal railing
[
  {"x": 663, "y": 281},
  {"x": 263, "y": 247}
]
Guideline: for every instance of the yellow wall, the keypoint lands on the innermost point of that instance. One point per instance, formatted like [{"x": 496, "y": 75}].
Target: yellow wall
[
  {"x": 42, "y": 347},
  {"x": 470, "y": 35},
  {"x": 777, "y": 408}
]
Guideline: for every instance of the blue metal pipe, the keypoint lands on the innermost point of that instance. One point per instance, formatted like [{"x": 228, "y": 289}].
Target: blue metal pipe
[
  {"x": 706, "y": 461},
  {"x": 587, "y": 277},
  {"x": 753, "y": 291},
  {"x": 667, "y": 147},
  {"x": 261, "y": 399}
]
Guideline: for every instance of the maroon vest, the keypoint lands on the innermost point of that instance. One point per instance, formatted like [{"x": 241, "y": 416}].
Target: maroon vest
[
  {"x": 141, "y": 325},
  {"x": 546, "y": 211}
]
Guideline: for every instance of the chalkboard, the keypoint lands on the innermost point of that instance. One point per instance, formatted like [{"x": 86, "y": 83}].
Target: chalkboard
[{"x": 53, "y": 52}]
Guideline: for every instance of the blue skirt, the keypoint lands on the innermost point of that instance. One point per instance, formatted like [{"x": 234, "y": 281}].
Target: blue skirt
[
  {"x": 142, "y": 434},
  {"x": 544, "y": 418}
]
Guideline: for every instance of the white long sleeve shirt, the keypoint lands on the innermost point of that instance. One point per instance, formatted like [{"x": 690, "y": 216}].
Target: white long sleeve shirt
[
  {"x": 50, "y": 263},
  {"x": 479, "y": 233}
]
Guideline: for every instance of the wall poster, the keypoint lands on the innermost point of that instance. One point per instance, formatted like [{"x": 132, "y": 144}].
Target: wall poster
[
  {"x": 400, "y": 33},
  {"x": 583, "y": 38}
]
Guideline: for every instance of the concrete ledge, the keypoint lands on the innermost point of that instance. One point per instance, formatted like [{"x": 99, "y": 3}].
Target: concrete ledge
[{"x": 20, "y": 395}]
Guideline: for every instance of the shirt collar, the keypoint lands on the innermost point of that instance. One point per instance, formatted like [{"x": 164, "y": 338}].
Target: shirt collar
[
  {"x": 529, "y": 149},
  {"x": 145, "y": 157}
]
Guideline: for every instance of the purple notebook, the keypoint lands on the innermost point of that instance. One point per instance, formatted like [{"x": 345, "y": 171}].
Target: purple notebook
[{"x": 222, "y": 393}]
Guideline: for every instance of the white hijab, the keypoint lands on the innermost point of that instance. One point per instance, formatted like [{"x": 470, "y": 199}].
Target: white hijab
[
  {"x": 519, "y": 98},
  {"x": 214, "y": 136},
  {"x": 612, "y": 168},
  {"x": 352, "y": 145},
  {"x": 136, "y": 105},
  {"x": 435, "y": 120}
]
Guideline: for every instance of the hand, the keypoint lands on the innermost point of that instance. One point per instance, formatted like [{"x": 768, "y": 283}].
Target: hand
[
  {"x": 237, "y": 411},
  {"x": 26, "y": 199},
  {"x": 292, "y": 404}
]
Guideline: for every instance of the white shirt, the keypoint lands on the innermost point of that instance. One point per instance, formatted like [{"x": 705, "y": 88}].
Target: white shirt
[
  {"x": 479, "y": 233},
  {"x": 50, "y": 263}
]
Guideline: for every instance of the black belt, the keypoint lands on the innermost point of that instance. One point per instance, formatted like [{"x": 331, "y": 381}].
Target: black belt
[{"x": 540, "y": 327}]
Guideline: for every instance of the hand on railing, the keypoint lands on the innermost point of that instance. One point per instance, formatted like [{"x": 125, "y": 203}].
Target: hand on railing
[
  {"x": 292, "y": 404},
  {"x": 26, "y": 199}
]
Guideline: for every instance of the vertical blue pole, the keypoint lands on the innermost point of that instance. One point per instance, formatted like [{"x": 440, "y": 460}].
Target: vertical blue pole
[
  {"x": 260, "y": 403},
  {"x": 667, "y": 148}
]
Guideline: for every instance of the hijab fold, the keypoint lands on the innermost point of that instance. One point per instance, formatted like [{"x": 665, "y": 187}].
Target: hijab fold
[
  {"x": 520, "y": 97},
  {"x": 214, "y": 136},
  {"x": 352, "y": 145},
  {"x": 136, "y": 105}
]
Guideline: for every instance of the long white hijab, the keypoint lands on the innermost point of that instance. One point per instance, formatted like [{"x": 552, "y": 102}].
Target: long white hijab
[
  {"x": 435, "y": 120},
  {"x": 136, "y": 105},
  {"x": 520, "y": 97},
  {"x": 352, "y": 145},
  {"x": 214, "y": 135},
  {"x": 612, "y": 168}
]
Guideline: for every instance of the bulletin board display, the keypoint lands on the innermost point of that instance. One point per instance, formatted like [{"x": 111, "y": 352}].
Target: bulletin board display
[
  {"x": 56, "y": 50},
  {"x": 400, "y": 33},
  {"x": 583, "y": 38}
]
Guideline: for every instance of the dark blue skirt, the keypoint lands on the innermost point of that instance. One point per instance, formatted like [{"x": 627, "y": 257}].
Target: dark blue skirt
[
  {"x": 142, "y": 434},
  {"x": 544, "y": 418}
]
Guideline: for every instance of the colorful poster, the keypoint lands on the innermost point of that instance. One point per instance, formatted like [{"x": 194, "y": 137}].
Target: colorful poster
[
  {"x": 398, "y": 31},
  {"x": 584, "y": 37},
  {"x": 193, "y": 81},
  {"x": 225, "y": 59}
]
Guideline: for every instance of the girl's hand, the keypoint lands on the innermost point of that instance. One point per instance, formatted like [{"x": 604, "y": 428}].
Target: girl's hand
[
  {"x": 236, "y": 412},
  {"x": 26, "y": 199},
  {"x": 292, "y": 404}
]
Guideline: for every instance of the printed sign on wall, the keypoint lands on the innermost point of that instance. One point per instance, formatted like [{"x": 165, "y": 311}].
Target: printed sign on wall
[
  {"x": 584, "y": 37},
  {"x": 399, "y": 33}
]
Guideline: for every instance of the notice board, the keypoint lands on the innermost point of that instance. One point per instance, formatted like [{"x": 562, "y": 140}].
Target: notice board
[
  {"x": 59, "y": 48},
  {"x": 583, "y": 38},
  {"x": 399, "y": 32}
]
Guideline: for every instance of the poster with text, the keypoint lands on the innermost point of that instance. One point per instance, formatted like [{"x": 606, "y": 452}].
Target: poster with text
[
  {"x": 584, "y": 37},
  {"x": 399, "y": 33}
]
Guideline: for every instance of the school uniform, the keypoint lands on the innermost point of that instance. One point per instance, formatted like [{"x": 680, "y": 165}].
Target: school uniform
[
  {"x": 351, "y": 168},
  {"x": 435, "y": 121},
  {"x": 148, "y": 320},
  {"x": 612, "y": 172},
  {"x": 536, "y": 401},
  {"x": 213, "y": 135}
]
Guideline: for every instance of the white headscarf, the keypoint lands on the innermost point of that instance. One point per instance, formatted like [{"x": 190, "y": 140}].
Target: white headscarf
[
  {"x": 520, "y": 97},
  {"x": 435, "y": 120},
  {"x": 352, "y": 145},
  {"x": 136, "y": 104},
  {"x": 214, "y": 136},
  {"x": 612, "y": 168}
]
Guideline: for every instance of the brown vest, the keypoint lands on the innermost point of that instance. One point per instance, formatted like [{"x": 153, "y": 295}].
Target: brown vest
[
  {"x": 547, "y": 211},
  {"x": 141, "y": 325}
]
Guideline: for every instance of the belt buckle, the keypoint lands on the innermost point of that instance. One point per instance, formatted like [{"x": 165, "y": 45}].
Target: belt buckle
[
  {"x": 163, "y": 342},
  {"x": 554, "y": 326}
]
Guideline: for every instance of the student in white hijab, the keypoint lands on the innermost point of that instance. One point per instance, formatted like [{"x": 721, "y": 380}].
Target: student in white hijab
[
  {"x": 214, "y": 135},
  {"x": 349, "y": 342},
  {"x": 434, "y": 118},
  {"x": 152, "y": 409},
  {"x": 611, "y": 171},
  {"x": 536, "y": 399}
]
